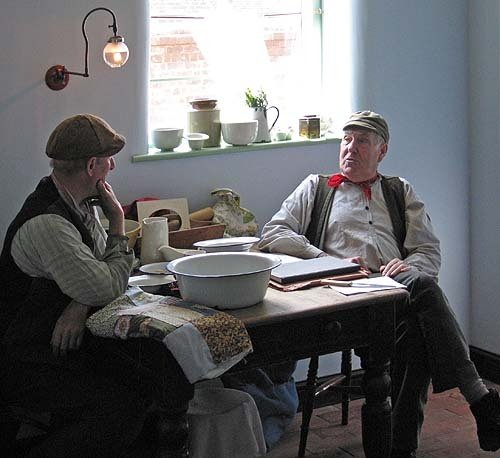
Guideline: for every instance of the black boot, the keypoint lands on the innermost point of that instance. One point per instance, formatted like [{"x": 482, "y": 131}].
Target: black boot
[
  {"x": 487, "y": 414},
  {"x": 173, "y": 435}
]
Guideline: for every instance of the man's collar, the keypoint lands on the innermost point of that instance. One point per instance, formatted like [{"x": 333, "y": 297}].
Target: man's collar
[
  {"x": 337, "y": 179},
  {"x": 67, "y": 197}
]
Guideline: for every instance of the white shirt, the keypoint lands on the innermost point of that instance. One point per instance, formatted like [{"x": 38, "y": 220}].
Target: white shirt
[{"x": 356, "y": 227}]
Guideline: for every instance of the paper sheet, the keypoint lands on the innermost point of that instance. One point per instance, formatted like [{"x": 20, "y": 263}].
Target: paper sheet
[{"x": 387, "y": 282}]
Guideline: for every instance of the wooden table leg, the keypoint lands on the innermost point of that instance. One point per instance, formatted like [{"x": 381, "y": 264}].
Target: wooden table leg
[{"x": 376, "y": 413}]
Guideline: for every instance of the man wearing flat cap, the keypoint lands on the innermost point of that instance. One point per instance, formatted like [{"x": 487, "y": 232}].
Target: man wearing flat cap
[
  {"x": 380, "y": 223},
  {"x": 58, "y": 265}
]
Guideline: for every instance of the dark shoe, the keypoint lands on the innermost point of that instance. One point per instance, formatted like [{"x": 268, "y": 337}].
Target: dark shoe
[
  {"x": 487, "y": 414},
  {"x": 181, "y": 453},
  {"x": 173, "y": 433},
  {"x": 403, "y": 453}
]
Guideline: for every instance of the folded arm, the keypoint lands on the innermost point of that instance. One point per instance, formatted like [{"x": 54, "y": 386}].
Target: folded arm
[
  {"x": 49, "y": 246},
  {"x": 284, "y": 233}
]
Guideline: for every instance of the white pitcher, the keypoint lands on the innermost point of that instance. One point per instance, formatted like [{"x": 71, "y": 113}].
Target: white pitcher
[
  {"x": 263, "y": 129},
  {"x": 154, "y": 235}
]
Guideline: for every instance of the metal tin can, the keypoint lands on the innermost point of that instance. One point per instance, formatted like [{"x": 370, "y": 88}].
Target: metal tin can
[{"x": 309, "y": 126}]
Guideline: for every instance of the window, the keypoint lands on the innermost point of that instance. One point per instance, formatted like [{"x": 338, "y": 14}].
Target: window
[{"x": 218, "y": 48}]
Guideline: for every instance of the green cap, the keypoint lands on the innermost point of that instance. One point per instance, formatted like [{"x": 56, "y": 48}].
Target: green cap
[
  {"x": 369, "y": 120},
  {"x": 82, "y": 136}
]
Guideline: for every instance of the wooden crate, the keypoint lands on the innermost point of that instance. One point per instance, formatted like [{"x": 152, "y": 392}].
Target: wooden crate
[{"x": 186, "y": 237}]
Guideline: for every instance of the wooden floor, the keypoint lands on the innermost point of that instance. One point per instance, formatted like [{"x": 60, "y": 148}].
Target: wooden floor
[{"x": 449, "y": 432}]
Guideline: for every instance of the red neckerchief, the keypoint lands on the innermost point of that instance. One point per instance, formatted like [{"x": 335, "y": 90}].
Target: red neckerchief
[{"x": 337, "y": 179}]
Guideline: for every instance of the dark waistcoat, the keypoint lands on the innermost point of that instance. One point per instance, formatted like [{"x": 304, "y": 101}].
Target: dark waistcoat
[
  {"x": 30, "y": 306},
  {"x": 393, "y": 191}
]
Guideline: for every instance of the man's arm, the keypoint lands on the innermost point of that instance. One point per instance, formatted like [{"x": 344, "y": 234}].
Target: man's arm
[
  {"x": 69, "y": 329},
  {"x": 49, "y": 246},
  {"x": 421, "y": 243},
  {"x": 285, "y": 232}
]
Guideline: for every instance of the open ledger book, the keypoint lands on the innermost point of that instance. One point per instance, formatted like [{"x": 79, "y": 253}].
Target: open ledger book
[{"x": 347, "y": 278}]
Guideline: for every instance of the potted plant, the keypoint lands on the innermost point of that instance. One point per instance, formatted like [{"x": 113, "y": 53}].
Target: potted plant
[
  {"x": 256, "y": 101},
  {"x": 258, "y": 104}
]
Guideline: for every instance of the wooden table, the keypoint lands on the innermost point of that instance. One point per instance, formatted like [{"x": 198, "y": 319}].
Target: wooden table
[{"x": 296, "y": 325}]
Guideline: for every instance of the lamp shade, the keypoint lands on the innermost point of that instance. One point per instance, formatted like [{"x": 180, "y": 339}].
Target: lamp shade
[{"x": 115, "y": 53}]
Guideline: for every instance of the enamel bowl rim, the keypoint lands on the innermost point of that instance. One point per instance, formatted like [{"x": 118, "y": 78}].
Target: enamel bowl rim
[{"x": 172, "y": 265}]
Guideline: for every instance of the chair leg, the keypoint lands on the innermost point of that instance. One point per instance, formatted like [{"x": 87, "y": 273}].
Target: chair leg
[
  {"x": 8, "y": 432},
  {"x": 8, "y": 429},
  {"x": 346, "y": 369},
  {"x": 308, "y": 405}
]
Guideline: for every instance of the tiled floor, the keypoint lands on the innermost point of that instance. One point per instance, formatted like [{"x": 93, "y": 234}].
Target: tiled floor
[{"x": 449, "y": 432}]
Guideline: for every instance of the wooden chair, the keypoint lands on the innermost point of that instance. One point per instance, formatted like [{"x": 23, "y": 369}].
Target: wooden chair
[{"x": 340, "y": 382}]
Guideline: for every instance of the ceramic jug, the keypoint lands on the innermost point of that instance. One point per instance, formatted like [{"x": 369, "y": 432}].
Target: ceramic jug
[
  {"x": 154, "y": 235},
  {"x": 263, "y": 129}
]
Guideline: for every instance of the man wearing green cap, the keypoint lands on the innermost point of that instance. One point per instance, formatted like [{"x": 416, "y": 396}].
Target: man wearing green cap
[
  {"x": 381, "y": 223},
  {"x": 57, "y": 266}
]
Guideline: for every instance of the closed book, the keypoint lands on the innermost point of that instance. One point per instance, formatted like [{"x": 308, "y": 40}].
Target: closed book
[{"x": 312, "y": 268}]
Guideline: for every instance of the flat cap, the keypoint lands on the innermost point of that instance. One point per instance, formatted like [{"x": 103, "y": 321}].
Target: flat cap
[
  {"x": 369, "y": 120},
  {"x": 81, "y": 136}
]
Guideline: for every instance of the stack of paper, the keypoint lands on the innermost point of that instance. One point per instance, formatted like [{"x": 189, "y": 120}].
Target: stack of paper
[{"x": 364, "y": 285}]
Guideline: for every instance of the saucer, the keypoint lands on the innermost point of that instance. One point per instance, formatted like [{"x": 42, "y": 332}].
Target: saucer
[
  {"x": 150, "y": 280},
  {"x": 157, "y": 268},
  {"x": 227, "y": 244}
]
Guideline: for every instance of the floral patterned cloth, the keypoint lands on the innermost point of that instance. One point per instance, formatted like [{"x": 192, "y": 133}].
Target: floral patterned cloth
[{"x": 205, "y": 342}]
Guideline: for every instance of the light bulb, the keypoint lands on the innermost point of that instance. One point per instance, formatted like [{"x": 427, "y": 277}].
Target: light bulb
[{"x": 115, "y": 53}]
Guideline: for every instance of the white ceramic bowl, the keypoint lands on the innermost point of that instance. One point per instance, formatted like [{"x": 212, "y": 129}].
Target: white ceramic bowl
[
  {"x": 224, "y": 280},
  {"x": 239, "y": 133},
  {"x": 196, "y": 140},
  {"x": 167, "y": 138},
  {"x": 226, "y": 244}
]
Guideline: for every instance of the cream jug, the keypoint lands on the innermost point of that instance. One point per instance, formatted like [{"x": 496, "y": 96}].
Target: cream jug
[{"x": 154, "y": 235}]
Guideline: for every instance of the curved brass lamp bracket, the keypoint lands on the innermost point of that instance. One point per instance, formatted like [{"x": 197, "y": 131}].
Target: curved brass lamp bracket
[{"x": 57, "y": 77}]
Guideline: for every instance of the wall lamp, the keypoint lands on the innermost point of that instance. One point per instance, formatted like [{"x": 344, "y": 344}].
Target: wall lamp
[{"x": 115, "y": 54}]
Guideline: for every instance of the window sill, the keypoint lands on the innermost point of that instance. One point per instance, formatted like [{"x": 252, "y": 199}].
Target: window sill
[{"x": 183, "y": 150}]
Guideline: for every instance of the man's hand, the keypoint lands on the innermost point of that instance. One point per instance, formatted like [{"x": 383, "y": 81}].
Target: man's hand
[
  {"x": 359, "y": 260},
  {"x": 111, "y": 208},
  {"x": 69, "y": 329},
  {"x": 394, "y": 267}
]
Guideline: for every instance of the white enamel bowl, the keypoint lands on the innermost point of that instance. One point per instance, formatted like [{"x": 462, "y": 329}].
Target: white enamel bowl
[
  {"x": 239, "y": 133},
  {"x": 224, "y": 280},
  {"x": 167, "y": 138}
]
